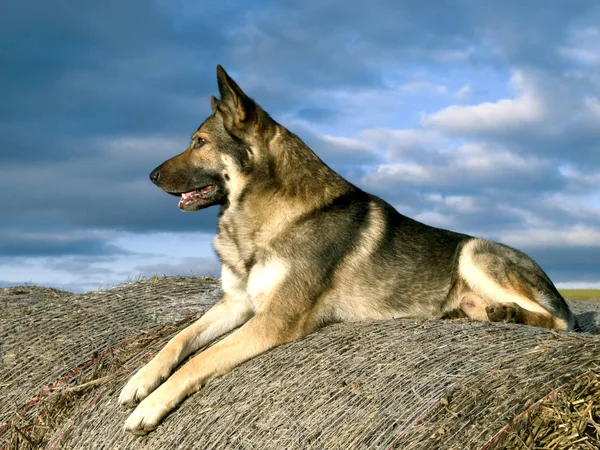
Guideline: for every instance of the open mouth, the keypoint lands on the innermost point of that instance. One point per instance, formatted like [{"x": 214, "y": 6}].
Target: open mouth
[{"x": 197, "y": 198}]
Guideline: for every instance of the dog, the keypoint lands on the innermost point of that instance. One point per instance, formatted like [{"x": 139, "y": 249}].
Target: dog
[{"x": 301, "y": 247}]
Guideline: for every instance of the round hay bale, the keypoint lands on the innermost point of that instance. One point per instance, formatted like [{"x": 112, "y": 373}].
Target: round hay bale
[
  {"x": 47, "y": 336},
  {"x": 395, "y": 384}
]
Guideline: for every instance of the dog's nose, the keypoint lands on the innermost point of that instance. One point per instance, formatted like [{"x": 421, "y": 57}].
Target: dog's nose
[{"x": 155, "y": 175}]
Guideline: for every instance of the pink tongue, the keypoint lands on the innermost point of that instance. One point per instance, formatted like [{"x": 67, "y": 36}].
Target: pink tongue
[{"x": 184, "y": 196}]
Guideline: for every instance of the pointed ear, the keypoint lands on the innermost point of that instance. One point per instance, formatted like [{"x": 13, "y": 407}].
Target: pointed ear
[
  {"x": 237, "y": 108},
  {"x": 214, "y": 103}
]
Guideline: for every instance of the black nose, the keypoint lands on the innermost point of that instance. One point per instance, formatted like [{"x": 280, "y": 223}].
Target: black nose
[{"x": 155, "y": 175}]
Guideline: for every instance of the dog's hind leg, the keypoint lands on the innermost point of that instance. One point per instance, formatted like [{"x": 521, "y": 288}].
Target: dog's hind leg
[{"x": 501, "y": 284}]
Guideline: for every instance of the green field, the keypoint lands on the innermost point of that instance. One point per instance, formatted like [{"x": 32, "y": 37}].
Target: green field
[{"x": 581, "y": 294}]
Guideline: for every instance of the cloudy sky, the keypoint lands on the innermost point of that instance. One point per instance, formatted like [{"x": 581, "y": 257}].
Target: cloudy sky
[{"x": 474, "y": 115}]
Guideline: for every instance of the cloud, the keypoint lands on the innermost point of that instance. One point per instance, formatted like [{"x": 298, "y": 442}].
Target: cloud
[
  {"x": 418, "y": 87},
  {"x": 466, "y": 168},
  {"x": 569, "y": 265},
  {"x": 582, "y": 46},
  {"x": 74, "y": 273},
  {"x": 480, "y": 186},
  {"x": 107, "y": 188},
  {"x": 464, "y": 92},
  {"x": 547, "y": 115},
  {"x": 499, "y": 117},
  {"x": 479, "y": 116},
  {"x": 74, "y": 72},
  {"x": 405, "y": 142},
  {"x": 39, "y": 243},
  {"x": 572, "y": 237},
  {"x": 347, "y": 155},
  {"x": 126, "y": 256}
]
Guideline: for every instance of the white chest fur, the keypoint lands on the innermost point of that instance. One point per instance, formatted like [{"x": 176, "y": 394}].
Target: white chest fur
[{"x": 259, "y": 286}]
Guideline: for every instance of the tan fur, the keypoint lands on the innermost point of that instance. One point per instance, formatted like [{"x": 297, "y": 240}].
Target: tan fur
[
  {"x": 473, "y": 273},
  {"x": 226, "y": 315},
  {"x": 483, "y": 292},
  {"x": 282, "y": 279},
  {"x": 351, "y": 296},
  {"x": 256, "y": 336},
  {"x": 256, "y": 292}
]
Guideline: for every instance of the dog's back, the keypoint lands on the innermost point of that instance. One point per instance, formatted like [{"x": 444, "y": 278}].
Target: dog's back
[{"x": 301, "y": 247}]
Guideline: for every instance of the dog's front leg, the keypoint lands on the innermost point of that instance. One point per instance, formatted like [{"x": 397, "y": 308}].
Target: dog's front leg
[
  {"x": 226, "y": 315},
  {"x": 261, "y": 333}
]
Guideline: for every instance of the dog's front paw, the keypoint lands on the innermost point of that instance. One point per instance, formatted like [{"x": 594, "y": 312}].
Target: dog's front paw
[
  {"x": 142, "y": 384},
  {"x": 146, "y": 417},
  {"x": 504, "y": 312}
]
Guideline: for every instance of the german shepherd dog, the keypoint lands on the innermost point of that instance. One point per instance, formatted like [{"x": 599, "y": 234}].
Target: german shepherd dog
[{"x": 301, "y": 247}]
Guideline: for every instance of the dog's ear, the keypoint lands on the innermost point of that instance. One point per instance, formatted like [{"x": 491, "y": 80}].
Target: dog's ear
[
  {"x": 214, "y": 103},
  {"x": 237, "y": 108}
]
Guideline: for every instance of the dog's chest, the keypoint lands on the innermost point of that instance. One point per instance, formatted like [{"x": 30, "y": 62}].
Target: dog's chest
[
  {"x": 235, "y": 244},
  {"x": 232, "y": 254},
  {"x": 258, "y": 286},
  {"x": 250, "y": 271}
]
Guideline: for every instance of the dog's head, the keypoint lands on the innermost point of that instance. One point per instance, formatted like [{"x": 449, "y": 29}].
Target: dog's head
[{"x": 212, "y": 168}]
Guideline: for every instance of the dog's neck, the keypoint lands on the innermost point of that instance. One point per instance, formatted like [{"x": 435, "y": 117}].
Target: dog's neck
[
  {"x": 288, "y": 180},
  {"x": 299, "y": 173}
]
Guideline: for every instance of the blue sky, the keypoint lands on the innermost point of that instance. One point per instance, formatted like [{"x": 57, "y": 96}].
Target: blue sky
[{"x": 474, "y": 115}]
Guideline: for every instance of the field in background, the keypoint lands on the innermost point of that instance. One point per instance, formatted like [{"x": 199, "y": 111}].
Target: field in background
[{"x": 580, "y": 294}]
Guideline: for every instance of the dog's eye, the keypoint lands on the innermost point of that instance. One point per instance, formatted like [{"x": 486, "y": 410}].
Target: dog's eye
[{"x": 199, "y": 142}]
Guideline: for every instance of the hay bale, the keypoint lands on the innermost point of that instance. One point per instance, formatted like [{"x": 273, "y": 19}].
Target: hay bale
[
  {"x": 394, "y": 384},
  {"x": 47, "y": 336}
]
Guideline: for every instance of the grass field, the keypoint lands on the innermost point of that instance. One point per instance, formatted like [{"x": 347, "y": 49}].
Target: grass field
[{"x": 581, "y": 294}]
